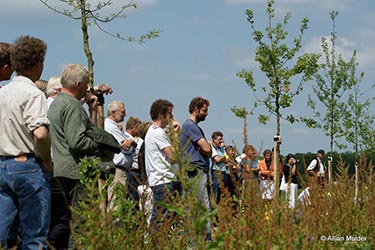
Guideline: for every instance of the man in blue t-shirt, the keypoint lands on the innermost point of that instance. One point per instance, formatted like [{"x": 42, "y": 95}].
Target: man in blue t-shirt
[{"x": 194, "y": 144}]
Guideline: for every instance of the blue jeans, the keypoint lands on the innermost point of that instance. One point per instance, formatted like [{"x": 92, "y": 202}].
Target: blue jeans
[
  {"x": 162, "y": 193},
  {"x": 219, "y": 181},
  {"x": 25, "y": 183},
  {"x": 133, "y": 180}
]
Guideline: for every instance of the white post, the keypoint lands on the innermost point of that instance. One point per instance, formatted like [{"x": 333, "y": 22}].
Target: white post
[
  {"x": 356, "y": 182},
  {"x": 330, "y": 170}
]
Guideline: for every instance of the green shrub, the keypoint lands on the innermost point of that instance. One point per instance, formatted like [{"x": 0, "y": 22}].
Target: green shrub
[{"x": 244, "y": 222}]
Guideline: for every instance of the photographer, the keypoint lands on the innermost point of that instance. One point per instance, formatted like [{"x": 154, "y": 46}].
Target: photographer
[{"x": 290, "y": 176}]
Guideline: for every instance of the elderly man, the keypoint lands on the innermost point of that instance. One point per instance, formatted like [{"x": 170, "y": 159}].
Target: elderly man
[
  {"x": 53, "y": 87},
  {"x": 25, "y": 147},
  {"x": 70, "y": 133},
  {"x": 124, "y": 159}
]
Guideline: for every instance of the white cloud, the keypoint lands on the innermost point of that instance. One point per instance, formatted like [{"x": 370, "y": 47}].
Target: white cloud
[
  {"x": 345, "y": 47},
  {"x": 323, "y": 4},
  {"x": 140, "y": 71},
  {"x": 241, "y": 58},
  {"x": 298, "y": 131},
  {"x": 245, "y": 62},
  {"x": 23, "y": 4},
  {"x": 233, "y": 130},
  {"x": 32, "y": 6},
  {"x": 263, "y": 1},
  {"x": 147, "y": 3},
  {"x": 261, "y": 131}
]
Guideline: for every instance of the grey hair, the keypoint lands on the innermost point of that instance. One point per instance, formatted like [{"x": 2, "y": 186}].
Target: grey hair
[
  {"x": 53, "y": 85},
  {"x": 74, "y": 73},
  {"x": 114, "y": 106}
]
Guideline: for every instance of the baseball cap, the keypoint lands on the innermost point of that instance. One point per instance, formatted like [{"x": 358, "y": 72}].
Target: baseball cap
[{"x": 321, "y": 151}]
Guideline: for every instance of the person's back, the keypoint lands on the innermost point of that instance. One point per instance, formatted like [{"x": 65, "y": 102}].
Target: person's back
[
  {"x": 73, "y": 135},
  {"x": 15, "y": 96},
  {"x": 25, "y": 147},
  {"x": 69, "y": 123}
]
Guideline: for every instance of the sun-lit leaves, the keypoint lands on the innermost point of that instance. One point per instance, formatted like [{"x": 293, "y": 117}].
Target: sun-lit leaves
[
  {"x": 277, "y": 60},
  {"x": 335, "y": 101}
]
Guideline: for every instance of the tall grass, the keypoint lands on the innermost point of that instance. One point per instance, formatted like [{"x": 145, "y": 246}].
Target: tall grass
[{"x": 333, "y": 220}]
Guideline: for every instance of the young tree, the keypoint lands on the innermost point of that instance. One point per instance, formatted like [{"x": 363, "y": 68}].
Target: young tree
[
  {"x": 331, "y": 89},
  {"x": 285, "y": 69},
  {"x": 92, "y": 14},
  {"x": 358, "y": 121}
]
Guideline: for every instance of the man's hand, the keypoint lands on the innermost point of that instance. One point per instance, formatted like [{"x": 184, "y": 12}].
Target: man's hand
[
  {"x": 175, "y": 125},
  {"x": 126, "y": 144},
  {"x": 48, "y": 167},
  {"x": 91, "y": 100},
  {"x": 103, "y": 88},
  {"x": 108, "y": 153}
]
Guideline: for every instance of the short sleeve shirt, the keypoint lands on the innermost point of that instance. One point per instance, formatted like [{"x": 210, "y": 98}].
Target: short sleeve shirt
[
  {"x": 158, "y": 169},
  {"x": 23, "y": 108},
  {"x": 190, "y": 134},
  {"x": 219, "y": 166}
]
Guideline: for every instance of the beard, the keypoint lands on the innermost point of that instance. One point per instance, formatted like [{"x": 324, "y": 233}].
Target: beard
[{"x": 201, "y": 117}]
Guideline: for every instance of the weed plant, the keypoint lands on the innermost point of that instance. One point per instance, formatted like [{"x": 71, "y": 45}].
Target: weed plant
[{"x": 334, "y": 219}]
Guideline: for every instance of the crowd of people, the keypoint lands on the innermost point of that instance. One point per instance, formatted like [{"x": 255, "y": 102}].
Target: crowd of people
[{"x": 46, "y": 131}]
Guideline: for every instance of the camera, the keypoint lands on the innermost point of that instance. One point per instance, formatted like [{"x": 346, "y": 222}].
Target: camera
[
  {"x": 277, "y": 139},
  {"x": 330, "y": 158}
]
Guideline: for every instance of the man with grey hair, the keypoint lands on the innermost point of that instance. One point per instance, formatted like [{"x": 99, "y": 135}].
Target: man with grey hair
[
  {"x": 123, "y": 160},
  {"x": 70, "y": 126},
  {"x": 53, "y": 87},
  {"x": 25, "y": 147}
]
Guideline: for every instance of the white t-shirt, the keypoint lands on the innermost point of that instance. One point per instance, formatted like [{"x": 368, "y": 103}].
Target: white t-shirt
[{"x": 158, "y": 168}]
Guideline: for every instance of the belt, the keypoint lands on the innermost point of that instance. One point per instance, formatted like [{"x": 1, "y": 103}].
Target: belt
[{"x": 19, "y": 158}]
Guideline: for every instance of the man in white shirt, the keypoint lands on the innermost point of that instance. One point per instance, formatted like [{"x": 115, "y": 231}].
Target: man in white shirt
[
  {"x": 25, "y": 153},
  {"x": 123, "y": 160},
  {"x": 159, "y": 157}
]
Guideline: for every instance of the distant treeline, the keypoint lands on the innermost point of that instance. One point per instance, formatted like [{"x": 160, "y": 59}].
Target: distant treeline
[{"x": 348, "y": 158}]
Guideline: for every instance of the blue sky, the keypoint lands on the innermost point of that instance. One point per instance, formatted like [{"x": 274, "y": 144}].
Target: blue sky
[{"x": 203, "y": 44}]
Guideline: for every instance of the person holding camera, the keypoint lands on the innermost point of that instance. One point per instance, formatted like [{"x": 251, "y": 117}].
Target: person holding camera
[{"x": 290, "y": 177}]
